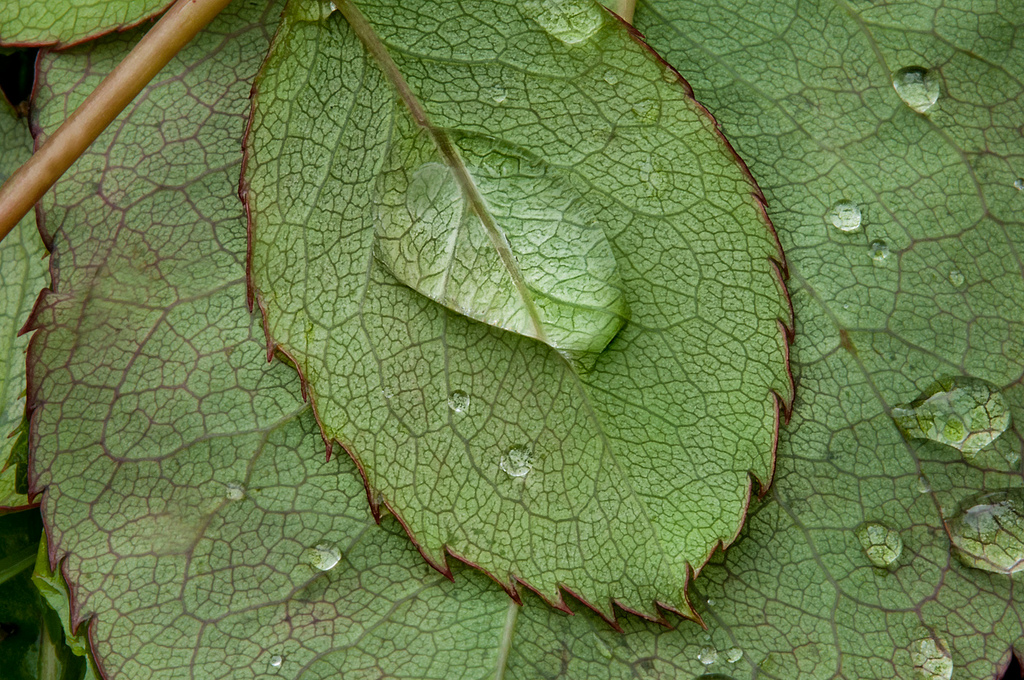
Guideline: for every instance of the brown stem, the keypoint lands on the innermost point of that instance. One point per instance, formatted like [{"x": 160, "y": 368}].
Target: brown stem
[{"x": 174, "y": 30}]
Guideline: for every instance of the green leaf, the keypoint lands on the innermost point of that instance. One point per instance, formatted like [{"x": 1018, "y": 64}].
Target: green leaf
[
  {"x": 67, "y": 22},
  {"x": 929, "y": 285},
  {"x": 488, "y": 445},
  {"x": 23, "y": 272}
]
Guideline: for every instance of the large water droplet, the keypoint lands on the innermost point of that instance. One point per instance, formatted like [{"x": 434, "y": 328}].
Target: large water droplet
[
  {"x": 988, "y": 532},
  {"x": 931, "y": 659},
  {"x": 234, "y": 492},
  {"x": 733, "y": 654},
  {"x": 458, "y": 401},
  {"x": 879, "y": 251},
  {"x": 956, "y": 277},
  {"x": 276, "y": 661},
  {"x": 965, "y": 413},
  {"x": 571, "y": 21},
  {"x": 518, "y": 461},
  {"x": 845, "y": 216},
  {"x": 707, "y": 655},
  {"x": 882, "y": 545},
  {"x": 323, "y": 556},
  {"x": 917, "y": 87}
]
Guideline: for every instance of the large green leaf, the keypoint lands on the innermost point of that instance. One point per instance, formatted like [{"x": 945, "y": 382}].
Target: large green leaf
[
  {"x": 23, "y": 272},
  {"x": 66, "y": 22},
  {"x": 612, "y": 477}
]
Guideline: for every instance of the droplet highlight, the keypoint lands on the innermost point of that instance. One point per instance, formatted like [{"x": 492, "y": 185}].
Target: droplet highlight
[
  {"x": 571, "y": 21},
  {"x": 923, "y": 485},
  {"x": 965, "y": 413},
  {"x": 517, "y": 461},
  {"x": 458, "y": 401},
  {"x": 733, "y": 654},
  {"x": 917, "y": 87},
  {"x": 845, "y": 216},
  {"x": 931, "y": 659},
  {"x": 276, "y": 661},
  {"x": 1018, "y": 184},
  {"x": 323, "y": 557},
  {"x": 707, "y": 655},
  {"x": 956, "y": 277},
  {"x": 879, "y": 251},
  {"x": 882, "y": 545},
  {"x": 234, "y": 492},
  {"x": 988, "y": 532}
]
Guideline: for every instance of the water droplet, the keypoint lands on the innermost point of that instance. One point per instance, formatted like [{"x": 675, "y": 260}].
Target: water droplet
[
  {"x": 965, "y": 413},
  {"x": 612, "y": 78},
  {"x": 646, "y": 111},
  {"x": 956, "y": 277},
  {"x": 845, "y": 216},
  {"x": 334, "y": 8},
  {"x": 458, "y": 401},
  {"x": 917, "y": 87},
  {"x": 323, "y": 557},
  {"x": 882, "y": 545},
  {"x": 988, "y": 532},
  {"x": 234, "y": 492},
  {"x": 923, "y": 485},
  {"x": 711, "y": 603},
  {"x": 498, "y": 94},
  {"x": 1018, "y": 184},
  {"x": 571, "y": 21},
  {"x": 276, "y": 661},
  {"x": 518, "y": 461},
  {"x": 879, "y": 251},
  {"x": 707, "y": 655},
  {"x": 931, "y": 659},
  {"x": 733, "y": 654}
]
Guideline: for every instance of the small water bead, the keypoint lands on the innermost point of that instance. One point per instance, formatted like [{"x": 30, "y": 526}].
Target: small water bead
[
  {"x": 498, "y": 94},
  {"x": 733, "y": 654},
  {"x": 571, "y": 21},
  {"x": 323, "y": 556},
  {"x": 707, "y": 655},
  {"x": 276, "y": 661},
  {"x": 923, "y": 485},
  {"x": 234, "y": 492},
  {"x": 879, "y": 251},
  {"x": 881, "y": 545},
  {"x": 458, "y": 401},
  {"x": 931, "y": 659},
  {"x": 518, "y": 461},
  {"x": 1018, "y": 184},
  {"x": 956, "y": 277},
  {"x": 965, "y": 413},
  {"x": 845, "y": 216},
  {"x": 988, "y": 532},
  {"x": 917, "y": 87},
  {"x": 612, "y": 78}
]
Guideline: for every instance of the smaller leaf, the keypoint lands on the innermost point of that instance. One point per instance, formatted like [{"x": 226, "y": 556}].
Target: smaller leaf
[{"x": 499, "y": 236}]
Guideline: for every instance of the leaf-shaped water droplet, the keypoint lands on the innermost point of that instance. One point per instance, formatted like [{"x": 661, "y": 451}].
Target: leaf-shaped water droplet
[
  {"x": 965, "y": 413},
  {"x": 506, "y": 240},
  {"x": 882, "y": 545},
  {"x": 571, "y": 21},
  {"x": 931, "y": 659},
  {"x": 988, "y": 532},
  {"x": 917, "y": 87}
]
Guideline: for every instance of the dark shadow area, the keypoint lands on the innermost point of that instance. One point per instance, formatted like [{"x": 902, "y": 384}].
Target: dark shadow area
[
  {"x": 1013, "y": 671},
  {"x": 17, "y": 72}
]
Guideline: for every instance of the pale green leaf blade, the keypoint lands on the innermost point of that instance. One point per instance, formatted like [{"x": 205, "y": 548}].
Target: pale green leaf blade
[
  {"x": 488, "y": 445},
  {"x": 23, "y": 273},
  {"x": 67, "y": 22}
]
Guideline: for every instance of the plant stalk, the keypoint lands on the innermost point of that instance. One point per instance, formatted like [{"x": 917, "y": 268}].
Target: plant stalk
[{"x": 172, "y": 32}]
